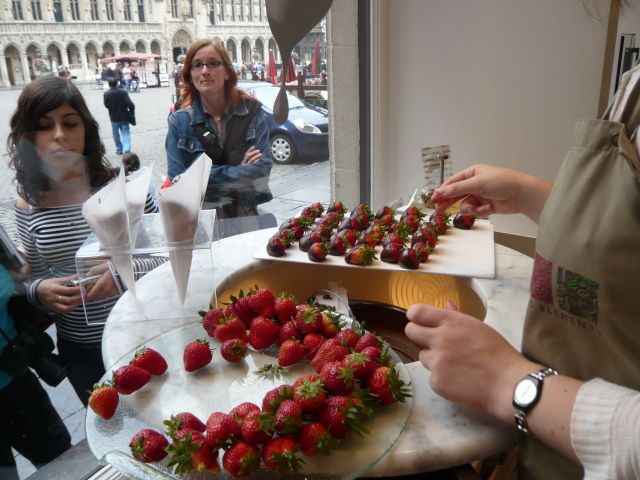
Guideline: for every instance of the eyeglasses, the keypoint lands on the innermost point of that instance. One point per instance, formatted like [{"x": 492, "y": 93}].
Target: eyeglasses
[{"x": 211, "y": 65}]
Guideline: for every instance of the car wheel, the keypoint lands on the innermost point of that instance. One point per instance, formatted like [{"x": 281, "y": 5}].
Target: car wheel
[{"x": 282, "y": 149}]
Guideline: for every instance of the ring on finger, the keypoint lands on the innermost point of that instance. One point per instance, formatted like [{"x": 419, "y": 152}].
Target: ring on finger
[{"x": 60, "y": 299}]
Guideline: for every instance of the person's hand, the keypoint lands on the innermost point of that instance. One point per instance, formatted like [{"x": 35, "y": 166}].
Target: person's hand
[
  {"x": 470, "y": 363},
  {"x": 104, "y": 287},
  {"x": 251, "y": 156},
  {"x": 22, "y": 275},
  {"x": 485, "y": 190},
  {"x": 57, "y": 296}
]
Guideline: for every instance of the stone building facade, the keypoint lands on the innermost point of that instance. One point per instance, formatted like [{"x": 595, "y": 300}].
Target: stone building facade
[{"x": 37, "y": 37}]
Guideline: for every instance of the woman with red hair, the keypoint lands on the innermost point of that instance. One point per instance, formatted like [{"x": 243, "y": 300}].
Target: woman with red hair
[{"x": 218, "y": 119}]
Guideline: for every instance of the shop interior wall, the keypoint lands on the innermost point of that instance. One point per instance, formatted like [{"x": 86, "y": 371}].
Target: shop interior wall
[{"x": 501, "y": 81}]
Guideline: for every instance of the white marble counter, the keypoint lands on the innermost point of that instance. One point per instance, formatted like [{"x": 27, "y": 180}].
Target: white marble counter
[{"x": 439, "y": 434}]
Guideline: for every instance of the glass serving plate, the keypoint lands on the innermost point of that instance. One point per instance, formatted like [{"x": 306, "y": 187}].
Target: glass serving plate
[{"x": 219, "y": 387}]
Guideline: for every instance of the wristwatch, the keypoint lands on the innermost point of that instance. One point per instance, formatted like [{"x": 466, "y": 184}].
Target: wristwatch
[{"x": 526, "y": 395}]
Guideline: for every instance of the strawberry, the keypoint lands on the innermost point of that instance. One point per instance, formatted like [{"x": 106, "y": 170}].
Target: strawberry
[
  {"x": 361, "y": 255},
  {"x": 273, "y": 398},
  {"x": 348, "y": 234},
  {"x": 229, "y": 327},
  {"x": 339, "y": 416},
  {"x": 374, "y": 353},
  {"x": 366, "y": 238},
  {"x": 412, "y": 211},
  {"x": 276, "y": 246},
  {"x": 189, "y": 451},
  {"x": 288, "y": 417},
  {"x": 308, "y": 319},
  {"x": 150, "y": 360},
  {"x": 262, "y": 302},
  {"x": 338, "y": 245},
  {"x": 181, "y": 421},
  {"x": 312, "y": 342},
  {"x": 291, "y": 352},
  {"x": 318, "y": 252},
  {"x": 368, "y": 339},
  {"x": 314, "y": 210},
  {"x": 430, "y": 236},
  {"x": 257, "y": 427},
  {"x": 196, "y": 355},
  {"x": 233, "y": 350},
  {"x": 287, "y": 236},
  {"x": 285, "y": 307},
  {"x": 239, "y": 412},
  {"x": 241, "y": 459},
  {"x": 222, "y": 430},
  {"x": 288, "y": 331},
  {"x": 104, "y": 399},
  {"x": 398, "y": 237},
  {"x": 297, "y": 222},
  {"x": 330, "y": 350},
  {"x": 314, "y": 439},
  {"x": 338, "y": 377},
  {"x": 422, "y": 251},
  {"x": 409, "y": 259},
  {"x": 464, "y": 220},
  {"x": 309, "y": 239},
  {"x": 385, "y": 210},
  {"x": 348, "y": 337},
  {"x": 387, "y": 220},
  {"x": 330, "y": 221},
  {"x": 391, "y": 252},
  {"x": 413, "y": 222},
  {"x": 210, "y": 319},
  {"x": 309, "y": 392},
  {"x": 148, "y": 446},
  {"x": 439, "y": 221},
  {"x": 336, "y": 206},
  {"x": 281, "y": 455},
  {"x": 378, "y": 231},
  {"x": 263, "y": 332},
  {"x": 361, "y": 364},
  {"x": 240, "y": 306},
  {"x": 385, "y": 383},
  {"x": 331, "y": 324},
  {"x": 128, "y": 379}
]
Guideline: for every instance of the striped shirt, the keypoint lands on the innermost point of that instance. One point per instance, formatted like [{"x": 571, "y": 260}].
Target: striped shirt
[{"x": 51, "y": 237}]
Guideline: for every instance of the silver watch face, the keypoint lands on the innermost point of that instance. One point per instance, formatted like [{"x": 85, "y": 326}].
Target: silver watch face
[{"x": 525, "y": 392}]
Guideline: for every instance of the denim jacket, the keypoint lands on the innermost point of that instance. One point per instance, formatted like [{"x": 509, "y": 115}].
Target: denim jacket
[{"x": 183, "y": 147}]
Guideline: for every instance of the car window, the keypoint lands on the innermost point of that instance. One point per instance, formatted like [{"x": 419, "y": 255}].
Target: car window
[{"x": 267, "y": 96}]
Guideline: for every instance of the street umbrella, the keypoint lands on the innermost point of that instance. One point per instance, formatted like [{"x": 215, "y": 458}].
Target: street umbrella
[
  {"x": 272, "y": 71},
  {"x": 315, "y": 65},
  {"x": 291, "y": 72}
]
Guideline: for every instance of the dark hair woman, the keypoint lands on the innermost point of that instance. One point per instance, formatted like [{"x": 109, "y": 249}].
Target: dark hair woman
[
  {"x": 225, "y": 123},
  {"x": 59, "y": 160}
]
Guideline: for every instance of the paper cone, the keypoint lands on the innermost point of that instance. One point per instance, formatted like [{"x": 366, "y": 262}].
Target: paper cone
[
  {"x": 179, "y": 210},
  {"x": 106, "y": 213},
  {"x": 137, "y": 188}
]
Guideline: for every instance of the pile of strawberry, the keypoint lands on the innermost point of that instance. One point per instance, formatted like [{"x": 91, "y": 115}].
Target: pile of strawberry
[
  {"x": 353, "y": 375},
  {"x": 406, "y": 241}
]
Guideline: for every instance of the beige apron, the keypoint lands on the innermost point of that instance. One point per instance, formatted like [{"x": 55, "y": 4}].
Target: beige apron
[{"x": 584, "y": 313}]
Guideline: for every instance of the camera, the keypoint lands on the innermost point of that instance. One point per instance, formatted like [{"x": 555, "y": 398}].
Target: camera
[{"x": 32, "y": 348}]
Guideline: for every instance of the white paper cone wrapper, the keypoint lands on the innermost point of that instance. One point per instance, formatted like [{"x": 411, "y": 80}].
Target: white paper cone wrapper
[
  {"x": 106, "y": 213},
  {"x": 137, "y": 188},
  {"x": 179, "y": 209}
]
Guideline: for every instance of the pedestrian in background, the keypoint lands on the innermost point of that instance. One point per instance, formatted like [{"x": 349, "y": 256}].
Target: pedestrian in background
[
  {"x": 126, "y": 75},
  {"x": 121, "y": 113}
]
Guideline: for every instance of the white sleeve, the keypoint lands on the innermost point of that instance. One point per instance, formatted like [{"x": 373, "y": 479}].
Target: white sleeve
[{"x": 605, "y": 430}]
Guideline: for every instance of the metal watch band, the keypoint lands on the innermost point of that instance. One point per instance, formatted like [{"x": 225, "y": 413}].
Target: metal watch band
[{"x": 519, "y": 414}]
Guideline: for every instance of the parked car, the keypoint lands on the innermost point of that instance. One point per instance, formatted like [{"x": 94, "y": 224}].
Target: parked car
[{"x": 304, "y": 134}]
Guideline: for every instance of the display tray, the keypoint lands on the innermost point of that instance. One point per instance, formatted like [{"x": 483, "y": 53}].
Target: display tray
[
  {"x": 463, "y": 253},
  {"x": 219, "y": 387}
]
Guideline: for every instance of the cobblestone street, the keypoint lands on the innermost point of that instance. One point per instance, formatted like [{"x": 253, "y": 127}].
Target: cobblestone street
[{"x": 293, "y": 186}]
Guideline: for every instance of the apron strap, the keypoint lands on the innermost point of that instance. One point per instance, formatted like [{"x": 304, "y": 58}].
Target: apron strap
[{"x": 625, "y": 107}]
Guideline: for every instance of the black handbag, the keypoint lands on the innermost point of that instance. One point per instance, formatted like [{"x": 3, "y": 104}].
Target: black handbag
[{"x": 132, "y": 118}]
